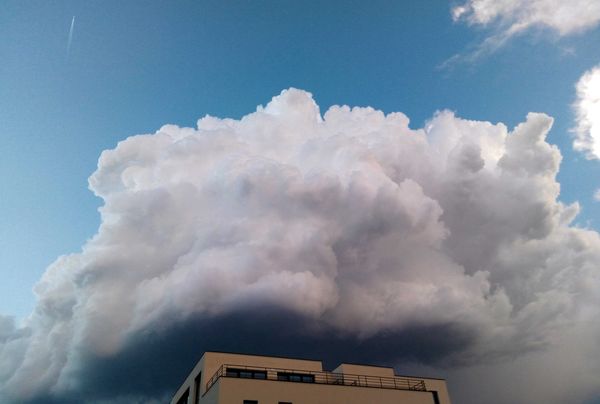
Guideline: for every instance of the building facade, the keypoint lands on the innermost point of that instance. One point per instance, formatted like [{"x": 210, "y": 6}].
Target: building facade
[{"x": 228, "y": 378}]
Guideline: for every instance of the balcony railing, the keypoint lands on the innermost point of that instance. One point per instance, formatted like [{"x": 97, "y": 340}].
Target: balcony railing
[{"x": 317, "y": 377}]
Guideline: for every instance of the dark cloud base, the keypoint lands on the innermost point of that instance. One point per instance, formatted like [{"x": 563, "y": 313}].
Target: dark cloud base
[{"x": 156, "y": 362}]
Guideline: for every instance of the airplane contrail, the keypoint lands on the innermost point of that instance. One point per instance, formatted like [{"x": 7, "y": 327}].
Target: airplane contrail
[{"x": 70, "y": 36}]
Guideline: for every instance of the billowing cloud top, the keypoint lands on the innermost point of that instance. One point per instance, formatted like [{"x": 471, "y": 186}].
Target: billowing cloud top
[{"x": 352, "y": 223}]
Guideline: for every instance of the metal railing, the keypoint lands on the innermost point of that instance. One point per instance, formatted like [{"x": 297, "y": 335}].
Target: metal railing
[{"x": 318, "y": 377}]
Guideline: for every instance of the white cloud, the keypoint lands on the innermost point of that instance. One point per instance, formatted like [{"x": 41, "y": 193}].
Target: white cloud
[
  {"x": 597, "y": 195},
  {"x": 352, "y": 219},
  {"x": 587, "y": 111},
  {"x": 508, "y": 18},
  {"x": 563, "y": 17}
]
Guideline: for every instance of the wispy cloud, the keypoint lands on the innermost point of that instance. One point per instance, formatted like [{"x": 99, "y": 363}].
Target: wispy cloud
[
  {"x": 508, "y": 18},
  {"x": 587, "y": 114},
  {"x": 70, "y": 40}
]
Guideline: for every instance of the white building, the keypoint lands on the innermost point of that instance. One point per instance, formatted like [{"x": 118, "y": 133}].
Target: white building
[{"x": 227, "y": 378}]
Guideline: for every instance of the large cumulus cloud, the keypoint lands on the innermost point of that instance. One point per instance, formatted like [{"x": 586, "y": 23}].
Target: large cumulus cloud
[{"x": 343, "y": 235}]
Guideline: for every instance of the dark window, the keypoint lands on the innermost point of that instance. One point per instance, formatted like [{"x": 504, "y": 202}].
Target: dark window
[
  {"x": 285, "y": 402},
  {"x": 246, "y": 373},
  {"x": 184, "y": 397},
  {"x": 295, "y": 377},
  {"x": 250, "y": 401},
  {"x": 308, "y": 378}
]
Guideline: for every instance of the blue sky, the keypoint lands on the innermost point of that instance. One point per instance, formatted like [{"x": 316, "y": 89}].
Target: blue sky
[{"x": 135, "y": 66}]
